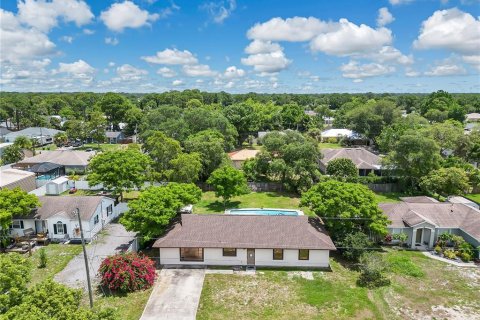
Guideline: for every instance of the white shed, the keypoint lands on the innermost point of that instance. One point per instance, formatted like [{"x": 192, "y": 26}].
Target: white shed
[{"x": 57, "y": 186}]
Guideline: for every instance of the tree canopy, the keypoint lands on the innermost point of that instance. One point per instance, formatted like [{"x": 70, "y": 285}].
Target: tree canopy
[
  {"x": 342, "y": 169},
  {"x": 228, "y": 182}
]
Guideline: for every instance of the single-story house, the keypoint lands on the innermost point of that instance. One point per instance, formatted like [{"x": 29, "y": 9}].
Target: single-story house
[
  {"x": 363, "y": 159},
  {"x": 240, "y": 156},
  {"x": 241, "y": 240},
  {"x": 114, "y": 136},
  {"x": 338, "y": 134},
  {"x": 56, "y": 217},
  {"x": 473, "y": 117},
  {"x": 424, "y": 221},
  {"x": 42, "y": 135},
  {"x": 70, "y": 160},
  {"x": 13, "y": 178}
]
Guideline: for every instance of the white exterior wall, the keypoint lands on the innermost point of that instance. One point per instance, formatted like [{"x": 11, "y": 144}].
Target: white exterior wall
[
  {"x": 263, "y": 257},
  {"x": 27, "y": 223}
]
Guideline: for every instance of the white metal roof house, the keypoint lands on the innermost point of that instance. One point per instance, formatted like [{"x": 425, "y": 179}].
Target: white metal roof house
[
  {"x": 340, "y": 133},
  {"x": 56, "y": 217},
  {"x": 41, "y": 135},
  {"x": 254, "y": 240},
  {"x": 13, "y": 178}
]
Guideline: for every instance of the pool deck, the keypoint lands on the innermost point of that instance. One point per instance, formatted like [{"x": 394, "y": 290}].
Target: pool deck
[{"x": 251, "y": 211}]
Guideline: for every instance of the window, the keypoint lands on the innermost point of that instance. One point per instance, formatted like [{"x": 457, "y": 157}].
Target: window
[
  {"x": 59, "y": 228},
  {"x": 191, "y": 254},
  {"x": 277, "y": 254},
  {"x": 95, "y": 220},
  {"x": 303, "y": 254},
  {"x": 109, "y": 210},
  {"x": 229, "y": 252},
  {"x": 17, "y": 224}
]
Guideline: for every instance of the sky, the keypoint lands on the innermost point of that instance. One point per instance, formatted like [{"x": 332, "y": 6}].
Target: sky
[{"x": 237, "y": 46}]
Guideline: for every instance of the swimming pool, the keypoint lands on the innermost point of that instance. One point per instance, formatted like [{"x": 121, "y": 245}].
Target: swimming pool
[{"x": 265, "y": 212}]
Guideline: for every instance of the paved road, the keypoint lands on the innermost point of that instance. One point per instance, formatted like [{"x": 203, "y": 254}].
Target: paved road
[
  {"x": 175, "y": 296},
  {"x": 116, "y": 239}
]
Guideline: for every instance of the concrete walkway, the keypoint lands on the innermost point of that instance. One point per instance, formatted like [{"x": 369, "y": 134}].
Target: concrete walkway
[
  {"x": 115, "y": 239},
  {"x": 176, "y": 295},
  {"x": 455, "y": 263}
]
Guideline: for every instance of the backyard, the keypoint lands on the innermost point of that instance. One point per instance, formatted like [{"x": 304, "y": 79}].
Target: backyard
[{"x": 421, "y": 288}]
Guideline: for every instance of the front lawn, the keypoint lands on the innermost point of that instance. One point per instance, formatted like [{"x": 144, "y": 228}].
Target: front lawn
[
  {"x": 327, "y": 145},
  {"x": 128, "y": 306},
  {"x": 427, "y": 288},
  {"x": 58, "y": 256},
  {"x": 388, "y": 197},
  {"x": 211, "y": 204},
  {"x": 474, "y": 197},
  {"x": 103, "y": 146}
]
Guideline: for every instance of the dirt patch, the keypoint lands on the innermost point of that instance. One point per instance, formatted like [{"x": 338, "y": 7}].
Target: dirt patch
[{"x": 307, "y": 275}]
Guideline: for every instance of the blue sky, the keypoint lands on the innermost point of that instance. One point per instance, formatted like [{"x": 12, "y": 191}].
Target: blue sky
[{"x": 240, "y": 46}]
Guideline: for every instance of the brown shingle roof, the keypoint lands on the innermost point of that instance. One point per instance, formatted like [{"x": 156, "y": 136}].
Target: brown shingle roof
[
  {"x": 440, "y": 214},
  {"x": 242, "y": 231},
  {"x": 65, "y": 206},
  {"x": 62, "y": 157},
  {"x": 362, "y": 158},
  {"x": 419, "y": 199}
]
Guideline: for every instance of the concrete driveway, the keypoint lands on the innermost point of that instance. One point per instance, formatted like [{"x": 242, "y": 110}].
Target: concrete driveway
[
  {"x": 176, "y": 295},
  {"x": 113, "y": 239}
]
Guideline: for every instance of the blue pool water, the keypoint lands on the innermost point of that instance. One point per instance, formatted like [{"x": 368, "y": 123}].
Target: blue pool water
[{"x": 264, "y": 212}]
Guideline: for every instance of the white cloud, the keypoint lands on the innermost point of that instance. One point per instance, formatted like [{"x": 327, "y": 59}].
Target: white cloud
[
  {"x": 450, "y": 29},
  {"x": 168, "y": 11},
  {"x": 409, "y": 72},
  {"x": 384, "y": 17},
  {"x": 354, "y": 70},
  {"x": 198, "y": 70},
  {"x": 447, "y": 67},
  {"x": 127, "y": 72},
  {"x": 295, "y": 29},
  {"x": 79, "y": 70},
  {"x": 126, "y": 15},
  {"x": 166, "y": 72},
  {"x": 111, "y": 64},
  {"x": 348, "y": 39},
  {"x": 43, "y": 15},
  {"x": 111, "y": 41},
  {"x": 259, "y": 46},
  {"x": 19, "y": 43},
  {"x": 267, "y": 62},
  {"x": 172, "y": 57},
  {"x": 67, "y": 39},
  {"x": 389, "y": 54},
  {"x": 233, "y": 72},
  {"x": 397, "y": 2},
  {"x": 219, "y": 11},
  {"x": 473, "y": 60},
  {"x": 88, "y": 31},
  {"x": 357, "y": 80},
  {"x": 177, "y": 82}
]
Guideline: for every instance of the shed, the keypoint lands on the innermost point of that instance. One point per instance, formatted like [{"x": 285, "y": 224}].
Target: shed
[{"x": 57, "y": 186}]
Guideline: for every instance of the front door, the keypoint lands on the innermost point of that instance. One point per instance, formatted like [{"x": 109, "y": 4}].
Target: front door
[
  {"x": 418, "y": 239},
  {"x": 251, "y": 257},
  {"x": 40, "y": 226}
]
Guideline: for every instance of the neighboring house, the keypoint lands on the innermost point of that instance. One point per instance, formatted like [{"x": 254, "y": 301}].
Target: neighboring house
[
  {"x": 363, "y": 159},
  {"x": 238, "y": 240},
  {"x": 337, "y": 134},
  {"x": 42, "y": 135},
  {"x": 56, "y": 217},
  {"x": 473, "y": 117},
  {"x": 13, "y": 178},
  {"x": 114, "y": 136},
  {"x": 310, "y": 113},
  {"x": 67, "y": 160},
  {"x": 240, "y": 156},
  {"x": 328, "y": 121},
  {"x": 425, "y": 221}
]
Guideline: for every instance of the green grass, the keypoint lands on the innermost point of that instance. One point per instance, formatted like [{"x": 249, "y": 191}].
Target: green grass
[
  {"x": 47, "y": 147},
  {"x": 128, "y": 306},
  {"x": 103, "y": 146},
  {"x": 58, "y": 256},
  {"x": 474, "y": 197},
  {"x": 211, "y": 204},
  {"x": 327, "y": 145},
  {"x": 335, "y": 295},
  {"x": 388, "y": 197}
]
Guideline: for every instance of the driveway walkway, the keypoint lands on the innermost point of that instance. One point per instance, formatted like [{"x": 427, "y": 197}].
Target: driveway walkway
[
  {"x": 175, "y": 296},
  {"x": 114, "y": 239}
]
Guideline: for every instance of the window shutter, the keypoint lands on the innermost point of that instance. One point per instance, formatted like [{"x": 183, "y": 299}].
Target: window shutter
[
  {"x": 55, "y": 228},
  {"x": 21, "y": 224},
  {"x": 65, "y": 229}
]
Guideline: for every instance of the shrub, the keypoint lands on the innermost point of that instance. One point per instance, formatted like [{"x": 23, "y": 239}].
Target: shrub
[
  {"x": 372, "y": 267},
  {"x": 438, "y": 249},
  {"x": 42, "y": 255},
  {"x": 465, "y": 256},
  {"x": 401, "y": 237},
  {"x": 127, "y": 272},
  {"x": 354, "y": 245},
  {"x": 388, "y": 238},
  {"x": 450, "y": 254}
]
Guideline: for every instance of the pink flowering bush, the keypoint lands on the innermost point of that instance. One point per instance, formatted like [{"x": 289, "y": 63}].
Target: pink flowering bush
[{"x": 127, "y": 272}]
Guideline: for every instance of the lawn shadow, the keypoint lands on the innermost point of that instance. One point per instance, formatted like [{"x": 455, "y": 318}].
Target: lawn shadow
[
  {"x": 218, "y": 207},
  {"x": 106, "y": 292},
  {"x": 278, "y": 194}
]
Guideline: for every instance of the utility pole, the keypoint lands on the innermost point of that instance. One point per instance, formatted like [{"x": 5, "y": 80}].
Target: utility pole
[{"x": 77, "y": 212}]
